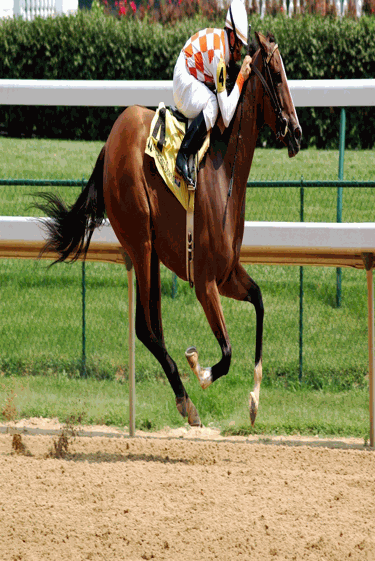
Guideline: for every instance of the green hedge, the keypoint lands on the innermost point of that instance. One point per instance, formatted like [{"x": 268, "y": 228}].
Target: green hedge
[{"x": 92, "y": 47}]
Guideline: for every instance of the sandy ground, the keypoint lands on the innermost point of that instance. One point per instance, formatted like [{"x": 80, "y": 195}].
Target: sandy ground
[{"x": 182, "y": 494}]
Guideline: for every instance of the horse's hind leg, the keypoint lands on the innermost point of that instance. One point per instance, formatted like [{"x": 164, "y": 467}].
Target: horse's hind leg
[
  {"x": 150, "y": 332},
  {"x": 241, "y": 286}
]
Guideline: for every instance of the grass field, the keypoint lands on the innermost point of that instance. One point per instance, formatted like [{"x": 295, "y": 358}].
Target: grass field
[
  {"x": 223, "y": 405},
  {"x": 41, "y": 313}
]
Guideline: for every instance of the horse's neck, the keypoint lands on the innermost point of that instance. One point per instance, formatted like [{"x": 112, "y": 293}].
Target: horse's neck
[
  {"x": 232, "y": 152},
  {"x": 243, "y": 139}
]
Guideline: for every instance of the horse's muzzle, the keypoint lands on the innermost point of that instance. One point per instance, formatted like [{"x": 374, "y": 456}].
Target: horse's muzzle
[{"x": 294, "y": 137}]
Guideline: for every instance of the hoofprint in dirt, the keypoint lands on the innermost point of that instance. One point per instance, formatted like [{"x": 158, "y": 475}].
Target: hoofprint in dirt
[{"x": 186, "y": 494}]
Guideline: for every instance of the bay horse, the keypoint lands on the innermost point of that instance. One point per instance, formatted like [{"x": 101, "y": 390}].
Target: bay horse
[{"x": 149, "y": 222}]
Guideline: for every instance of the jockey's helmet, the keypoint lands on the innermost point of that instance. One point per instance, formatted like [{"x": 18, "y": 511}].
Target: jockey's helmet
[{"x": 237, "y": 20}]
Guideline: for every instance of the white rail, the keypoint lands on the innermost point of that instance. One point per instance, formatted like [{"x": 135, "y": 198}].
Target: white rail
[
  {"x": 291, "y": 243},
  {"x": 107, "y": 93}
]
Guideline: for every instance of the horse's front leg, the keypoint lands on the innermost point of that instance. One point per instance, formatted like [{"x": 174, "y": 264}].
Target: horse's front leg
[
  {"x": 208, "y": 295},
  {"x": 241, "y": 286},
  {"x": 149, "y": 330}
]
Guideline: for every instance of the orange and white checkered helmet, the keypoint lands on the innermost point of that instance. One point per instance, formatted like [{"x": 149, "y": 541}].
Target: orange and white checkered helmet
[{"x": 237, "y": 16}]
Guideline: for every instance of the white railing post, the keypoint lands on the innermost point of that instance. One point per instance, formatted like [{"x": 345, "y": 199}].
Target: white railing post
[
  {"x": 17, "y": 8},
  {"x": 262, "y": 8},
  {"x": 30, "y": 9},
  {"x": 58, "y": 7}
]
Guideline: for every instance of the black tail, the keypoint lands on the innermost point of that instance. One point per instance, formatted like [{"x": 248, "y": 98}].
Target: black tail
[{"x": 69, "y": 229}]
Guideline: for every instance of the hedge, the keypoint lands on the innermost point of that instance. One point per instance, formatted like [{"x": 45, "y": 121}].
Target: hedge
[{"x": 99, "y": 47}]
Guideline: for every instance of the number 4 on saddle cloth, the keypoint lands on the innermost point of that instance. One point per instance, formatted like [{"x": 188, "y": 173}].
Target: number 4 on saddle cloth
[{"x": 163, "y": 143}]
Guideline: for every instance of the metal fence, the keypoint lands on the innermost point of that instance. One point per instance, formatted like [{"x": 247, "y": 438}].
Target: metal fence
[{"x": 83, "y": 327}]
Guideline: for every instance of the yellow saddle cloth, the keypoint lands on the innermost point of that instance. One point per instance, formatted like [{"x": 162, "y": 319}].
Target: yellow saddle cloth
[{"x": 163, "y": 143}]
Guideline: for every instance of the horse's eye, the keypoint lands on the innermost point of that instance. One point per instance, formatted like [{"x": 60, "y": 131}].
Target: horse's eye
[{"x": 277, "y": 78}]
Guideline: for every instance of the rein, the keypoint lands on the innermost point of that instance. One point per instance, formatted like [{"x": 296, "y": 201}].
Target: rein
[
  {"x": 235, "y": 154},
  {"x": 282, "y": 124}
]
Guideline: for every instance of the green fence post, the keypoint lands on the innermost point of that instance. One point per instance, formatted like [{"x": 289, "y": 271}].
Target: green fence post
[
  {"x": 83, "y": 365},
  {"x": 174, "y": 285},
  {"x": 302, "y": 194},
  {"x": 83, "y": 368},
  {"x": 339, "y": 195}
]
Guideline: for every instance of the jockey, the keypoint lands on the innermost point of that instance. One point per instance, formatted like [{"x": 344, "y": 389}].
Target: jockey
[{"x": 199, "y": 80}]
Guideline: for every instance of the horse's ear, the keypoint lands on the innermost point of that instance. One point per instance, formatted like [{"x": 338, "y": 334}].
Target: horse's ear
[{"x": 262, "y": 40}]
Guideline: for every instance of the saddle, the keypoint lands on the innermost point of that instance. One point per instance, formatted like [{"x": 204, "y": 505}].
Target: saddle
[{"x": 167, "y": 131}]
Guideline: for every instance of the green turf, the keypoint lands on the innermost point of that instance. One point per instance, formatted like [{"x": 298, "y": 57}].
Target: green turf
[
  {"x": 41, "y": 319},
  {"x": 223, "y": 406}
]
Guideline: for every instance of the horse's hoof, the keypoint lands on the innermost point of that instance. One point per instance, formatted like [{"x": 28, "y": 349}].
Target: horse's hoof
[
  {"x": 192, "y": 357},
  {"x": 204, "y": 375},
  {"x": 187, "y": 409},
  {"x": 253, "y": 407}
]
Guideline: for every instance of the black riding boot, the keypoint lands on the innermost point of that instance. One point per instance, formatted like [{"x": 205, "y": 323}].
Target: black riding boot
[{"x": 191, "y": 143}]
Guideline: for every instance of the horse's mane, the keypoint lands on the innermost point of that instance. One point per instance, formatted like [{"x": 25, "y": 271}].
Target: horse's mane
[
  {"x": 253, "y": 47},
  {"x": 232, "y": 73},
  {"x": 233, "y": 69},
  {"x": 270, "y": 36}
]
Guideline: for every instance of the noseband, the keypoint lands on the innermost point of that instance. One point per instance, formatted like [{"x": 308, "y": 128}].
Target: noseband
[{"x": 282, "y": 125}]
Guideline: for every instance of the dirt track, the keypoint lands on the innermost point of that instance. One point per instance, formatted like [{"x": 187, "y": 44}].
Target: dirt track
[{"x": 187, "y": 495}]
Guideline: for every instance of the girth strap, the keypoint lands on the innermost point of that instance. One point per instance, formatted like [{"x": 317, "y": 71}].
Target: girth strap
[
  {"x": 190, "y": 225},
  {"x": 190, "y": 236}
]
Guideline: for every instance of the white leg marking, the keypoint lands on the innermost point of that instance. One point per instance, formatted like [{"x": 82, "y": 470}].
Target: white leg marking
[{"x": 254, "y": 395}]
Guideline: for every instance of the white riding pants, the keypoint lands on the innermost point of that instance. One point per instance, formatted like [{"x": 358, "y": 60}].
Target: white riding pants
[{"x": 192, "y": 96}]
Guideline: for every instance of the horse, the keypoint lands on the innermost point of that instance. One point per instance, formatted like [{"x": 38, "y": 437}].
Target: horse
[{"x": 149, "y": 222}]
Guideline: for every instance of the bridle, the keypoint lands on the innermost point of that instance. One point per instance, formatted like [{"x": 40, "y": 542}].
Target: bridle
[{"x": 281, "y": 124}]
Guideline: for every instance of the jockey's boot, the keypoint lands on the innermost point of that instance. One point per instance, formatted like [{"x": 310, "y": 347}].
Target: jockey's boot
[{"x": 191, "y": 143}]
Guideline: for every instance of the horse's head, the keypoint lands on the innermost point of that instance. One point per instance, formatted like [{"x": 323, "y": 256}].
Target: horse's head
[{"x": 279, "y": 111}]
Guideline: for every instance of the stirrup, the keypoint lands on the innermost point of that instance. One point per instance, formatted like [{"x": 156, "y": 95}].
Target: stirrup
[
  {"x": 185, "y": 176},
  {"x": 189, "y": 181}
]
